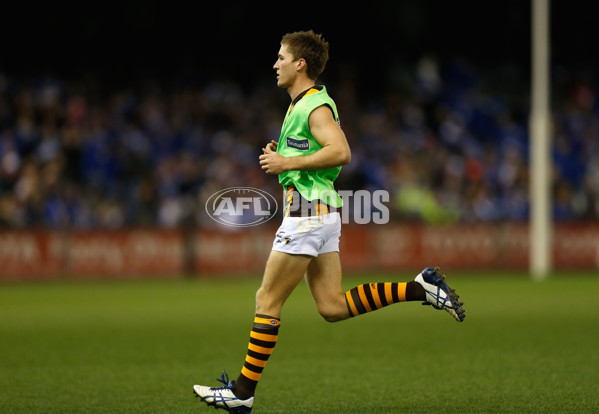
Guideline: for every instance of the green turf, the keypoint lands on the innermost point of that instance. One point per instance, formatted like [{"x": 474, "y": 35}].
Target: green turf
[{"x": 138, "y": 347}]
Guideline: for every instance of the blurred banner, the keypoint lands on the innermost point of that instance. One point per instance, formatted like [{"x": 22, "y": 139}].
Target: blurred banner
[
  {"x": 138, "y": 253},
  {"x": 82, "y": 254}
]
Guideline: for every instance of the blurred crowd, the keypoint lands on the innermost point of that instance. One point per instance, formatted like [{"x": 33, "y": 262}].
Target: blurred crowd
[{"x": 448, "y": 140}]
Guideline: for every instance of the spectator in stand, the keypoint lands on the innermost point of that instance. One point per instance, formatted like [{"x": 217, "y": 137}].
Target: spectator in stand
[{"x": 79, "y": 155}]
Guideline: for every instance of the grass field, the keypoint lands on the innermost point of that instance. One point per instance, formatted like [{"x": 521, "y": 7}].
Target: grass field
[{"x": 138, "y": 347}]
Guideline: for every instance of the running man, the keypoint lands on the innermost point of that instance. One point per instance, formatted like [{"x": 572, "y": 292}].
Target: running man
[{"x": 307, "y": 159}]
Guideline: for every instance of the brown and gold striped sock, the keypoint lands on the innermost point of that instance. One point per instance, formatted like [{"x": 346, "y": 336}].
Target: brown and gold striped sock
[
  {"x": 263, "y": 339},
  {"x": 372, "y": 296}
]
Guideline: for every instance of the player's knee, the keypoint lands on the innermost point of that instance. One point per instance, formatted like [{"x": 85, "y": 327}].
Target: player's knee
[
  {"x": 262, "y": 297},
  {"x": 267, "y": 302},
  {"x": 332, "y": 314}
]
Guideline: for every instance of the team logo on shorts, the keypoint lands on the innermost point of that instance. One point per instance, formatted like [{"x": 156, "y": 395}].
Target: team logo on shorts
[{"x": 280, "y": 237}]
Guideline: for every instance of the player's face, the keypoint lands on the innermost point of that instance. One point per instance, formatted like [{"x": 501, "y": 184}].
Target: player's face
[{"x": 285, "y": 67}]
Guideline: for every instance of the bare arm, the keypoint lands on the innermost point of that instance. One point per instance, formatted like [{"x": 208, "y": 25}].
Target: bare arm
[{"x": 334, "y": 152}]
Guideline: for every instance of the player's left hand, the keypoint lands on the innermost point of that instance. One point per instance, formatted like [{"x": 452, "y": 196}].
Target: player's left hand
[{"x": 272, "y": 145}]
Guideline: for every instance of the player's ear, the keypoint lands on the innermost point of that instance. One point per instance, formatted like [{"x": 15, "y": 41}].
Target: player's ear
[{"x": 301, "y": 63}]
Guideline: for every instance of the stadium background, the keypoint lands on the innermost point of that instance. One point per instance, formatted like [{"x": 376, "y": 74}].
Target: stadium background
[
  {"x": 117, "y": 122},
  {"x": 117, "y": 119}
]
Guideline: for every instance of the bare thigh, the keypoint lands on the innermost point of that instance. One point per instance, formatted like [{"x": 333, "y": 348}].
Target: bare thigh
[{"x": 282, "y": 274}]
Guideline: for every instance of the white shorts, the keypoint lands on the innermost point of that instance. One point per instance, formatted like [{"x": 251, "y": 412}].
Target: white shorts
[{"x": 312, "y": 235}]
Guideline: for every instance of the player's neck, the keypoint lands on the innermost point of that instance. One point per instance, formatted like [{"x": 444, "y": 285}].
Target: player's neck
[{"x": 299, "y": 87}]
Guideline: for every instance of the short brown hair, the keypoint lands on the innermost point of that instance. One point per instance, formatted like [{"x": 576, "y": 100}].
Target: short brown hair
[{"x": 308, "y": 46}]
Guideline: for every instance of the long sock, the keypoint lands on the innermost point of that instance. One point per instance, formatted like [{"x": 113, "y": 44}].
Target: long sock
[
  {"x": 372, "y": 296},
  {"x": 263, "y": 339}
]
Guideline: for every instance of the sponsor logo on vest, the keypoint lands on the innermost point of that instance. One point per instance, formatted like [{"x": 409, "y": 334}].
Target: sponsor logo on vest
[{"x": 300, "y": 144}]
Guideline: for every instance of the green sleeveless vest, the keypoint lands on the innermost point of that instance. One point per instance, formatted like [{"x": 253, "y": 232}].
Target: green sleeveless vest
[{"x": 296, "y": 140}]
